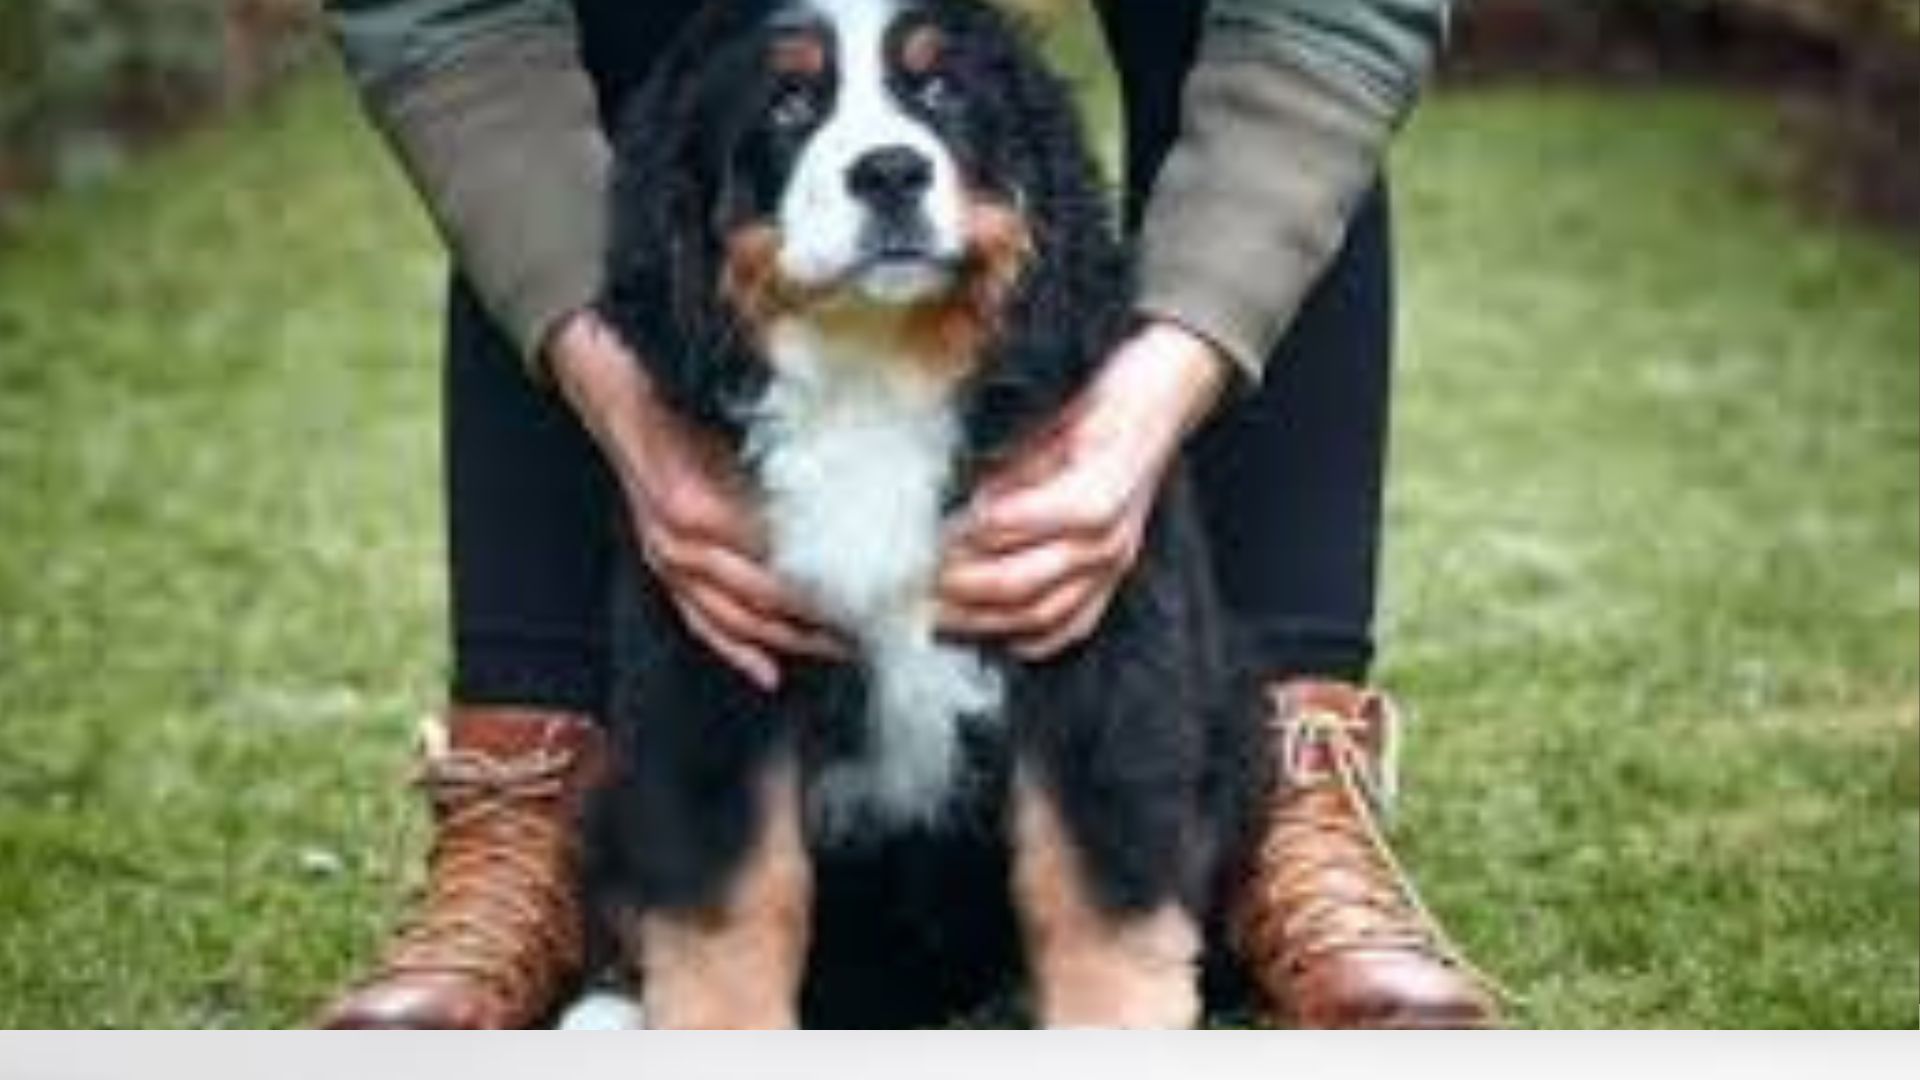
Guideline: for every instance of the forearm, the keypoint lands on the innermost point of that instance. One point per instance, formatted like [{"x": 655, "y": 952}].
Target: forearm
[
  {"x": 1287, "y": 114},
  {"x": 487, "y": 108}
]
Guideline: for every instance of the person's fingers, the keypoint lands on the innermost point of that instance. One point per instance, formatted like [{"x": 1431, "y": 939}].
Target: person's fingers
[
  {"x": 749, "y": 627},
  {"x": 774, "y": 615},
  {"x": 704, "y": 506},
  {"x": 1015, "y": 579},
  {"x": 758, "y": 667},
  {"x": 1019, "y": 576},
  {"x": 1076, "y": 629},
  {"x": 1050, "y": 612},
  {"x": 1071, "y": 504},
  {"x": 1014, "y": 585},
  {"x": 747, "y": 580}
]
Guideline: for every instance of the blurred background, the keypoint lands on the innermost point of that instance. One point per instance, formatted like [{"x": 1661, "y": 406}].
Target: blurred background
[
  {"x": 1653, "y": 553},
  {"x": 85, "y": 84}
]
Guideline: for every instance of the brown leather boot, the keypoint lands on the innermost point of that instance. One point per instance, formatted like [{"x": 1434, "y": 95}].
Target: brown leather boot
[
  {"x": 1329, "y": 924},
  {"x": 498, "y": 935}
]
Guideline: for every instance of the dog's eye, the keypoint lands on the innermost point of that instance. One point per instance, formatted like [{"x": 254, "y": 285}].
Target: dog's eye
[{"x": 793, "y": 107}]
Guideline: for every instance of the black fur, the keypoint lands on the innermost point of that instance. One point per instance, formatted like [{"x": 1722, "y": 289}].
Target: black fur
[
  {"x": 665, "y": 256},
  {"x": 1139, "y": 730}
]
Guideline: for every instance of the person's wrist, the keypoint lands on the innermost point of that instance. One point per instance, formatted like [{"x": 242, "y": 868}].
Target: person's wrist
[
  {"x": 607, "y": 389},
  {"x": 1165, "y": 380},
  {"x": 577, "y": 354},
  {"x": 1197, "y": 370}
]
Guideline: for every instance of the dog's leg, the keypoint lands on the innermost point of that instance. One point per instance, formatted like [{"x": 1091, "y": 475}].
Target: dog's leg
[
  {"x": 1093, "y": 967},
  {"x": 738, "y": 964}
]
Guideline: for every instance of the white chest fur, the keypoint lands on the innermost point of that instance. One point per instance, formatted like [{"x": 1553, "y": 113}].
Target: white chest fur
[{"x": 854, "y": 447}]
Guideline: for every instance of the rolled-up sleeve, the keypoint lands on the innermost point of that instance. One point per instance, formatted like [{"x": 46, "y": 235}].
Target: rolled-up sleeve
[
  {"x": 1287, "y": 113},
  {"x": 488, "y": 109}
]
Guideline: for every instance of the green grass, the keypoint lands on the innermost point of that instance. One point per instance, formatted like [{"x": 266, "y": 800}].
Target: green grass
[
  {"x": 219, "y": 602},
  {"x": 1653, "y": 586},
  {"x": 1653, "y": 569}
]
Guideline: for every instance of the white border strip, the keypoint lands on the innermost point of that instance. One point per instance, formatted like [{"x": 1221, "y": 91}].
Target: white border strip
[{"x": 954, "y": 1055}]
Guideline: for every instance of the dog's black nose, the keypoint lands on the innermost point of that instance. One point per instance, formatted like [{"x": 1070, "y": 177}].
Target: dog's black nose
[{"x": 890, "y": 178}]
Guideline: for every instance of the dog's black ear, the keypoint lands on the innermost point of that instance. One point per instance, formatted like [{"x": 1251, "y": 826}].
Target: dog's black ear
[
  {"x": 661, "y": 292},
  {"x": 1073, "y": 303}
]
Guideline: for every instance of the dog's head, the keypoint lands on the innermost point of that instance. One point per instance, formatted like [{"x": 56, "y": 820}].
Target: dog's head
[{"x": 905, "y": 160}]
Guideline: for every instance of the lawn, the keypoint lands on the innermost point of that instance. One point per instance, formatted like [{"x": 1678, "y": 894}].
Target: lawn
[{"x": 1653, "y": 584}]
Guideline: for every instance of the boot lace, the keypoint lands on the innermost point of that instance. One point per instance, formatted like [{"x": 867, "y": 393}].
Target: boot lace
[
  {"x": 1343, "y": 887},
  {"x": 495, "y": 909}
]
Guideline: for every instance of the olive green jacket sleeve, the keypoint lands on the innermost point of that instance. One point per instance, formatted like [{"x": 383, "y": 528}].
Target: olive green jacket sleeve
[
  {"x": 488, "y": 108},
  {"x": 1287, "y": 113}
]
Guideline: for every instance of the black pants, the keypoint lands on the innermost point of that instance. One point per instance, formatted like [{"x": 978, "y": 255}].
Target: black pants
[{"x": 1290, "y": 477}]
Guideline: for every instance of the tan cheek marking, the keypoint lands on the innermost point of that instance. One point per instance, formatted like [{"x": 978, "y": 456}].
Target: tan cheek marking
[
  {"x": 750, "y": 276},
  {"x": 951, "y": 337},
  {"x": 999, "y": 245},
  {"x": 739, "y": 965},
  {"x": 946, "y": 340},
  {"x": 1091, "y": 968},
  {"x": 751, "y": 283}
]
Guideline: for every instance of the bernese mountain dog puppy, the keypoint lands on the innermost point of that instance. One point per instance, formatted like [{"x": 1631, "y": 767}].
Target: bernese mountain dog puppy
[{"x": 866, "y": 242}]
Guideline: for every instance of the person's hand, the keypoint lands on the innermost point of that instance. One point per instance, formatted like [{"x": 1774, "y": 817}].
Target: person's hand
[
  {"x": 695, "y": 526},
  {"x": 1051, "y": 532}
]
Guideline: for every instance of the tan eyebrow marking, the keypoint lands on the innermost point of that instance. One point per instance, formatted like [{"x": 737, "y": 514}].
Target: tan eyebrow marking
[
  {"x": 798, "y": 53},
  {"x": 920, "y": 50}
]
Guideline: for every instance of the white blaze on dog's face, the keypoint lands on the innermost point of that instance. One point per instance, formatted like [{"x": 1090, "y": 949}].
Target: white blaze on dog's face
[
  {"x": 859, "y": 162},
  {"x": 874, "y": 203}
]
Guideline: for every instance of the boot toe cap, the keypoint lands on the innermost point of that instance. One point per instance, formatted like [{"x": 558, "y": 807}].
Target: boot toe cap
[
  {"x": 418, "y": 1003},
  {"x": 1390, "y": 989}
]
